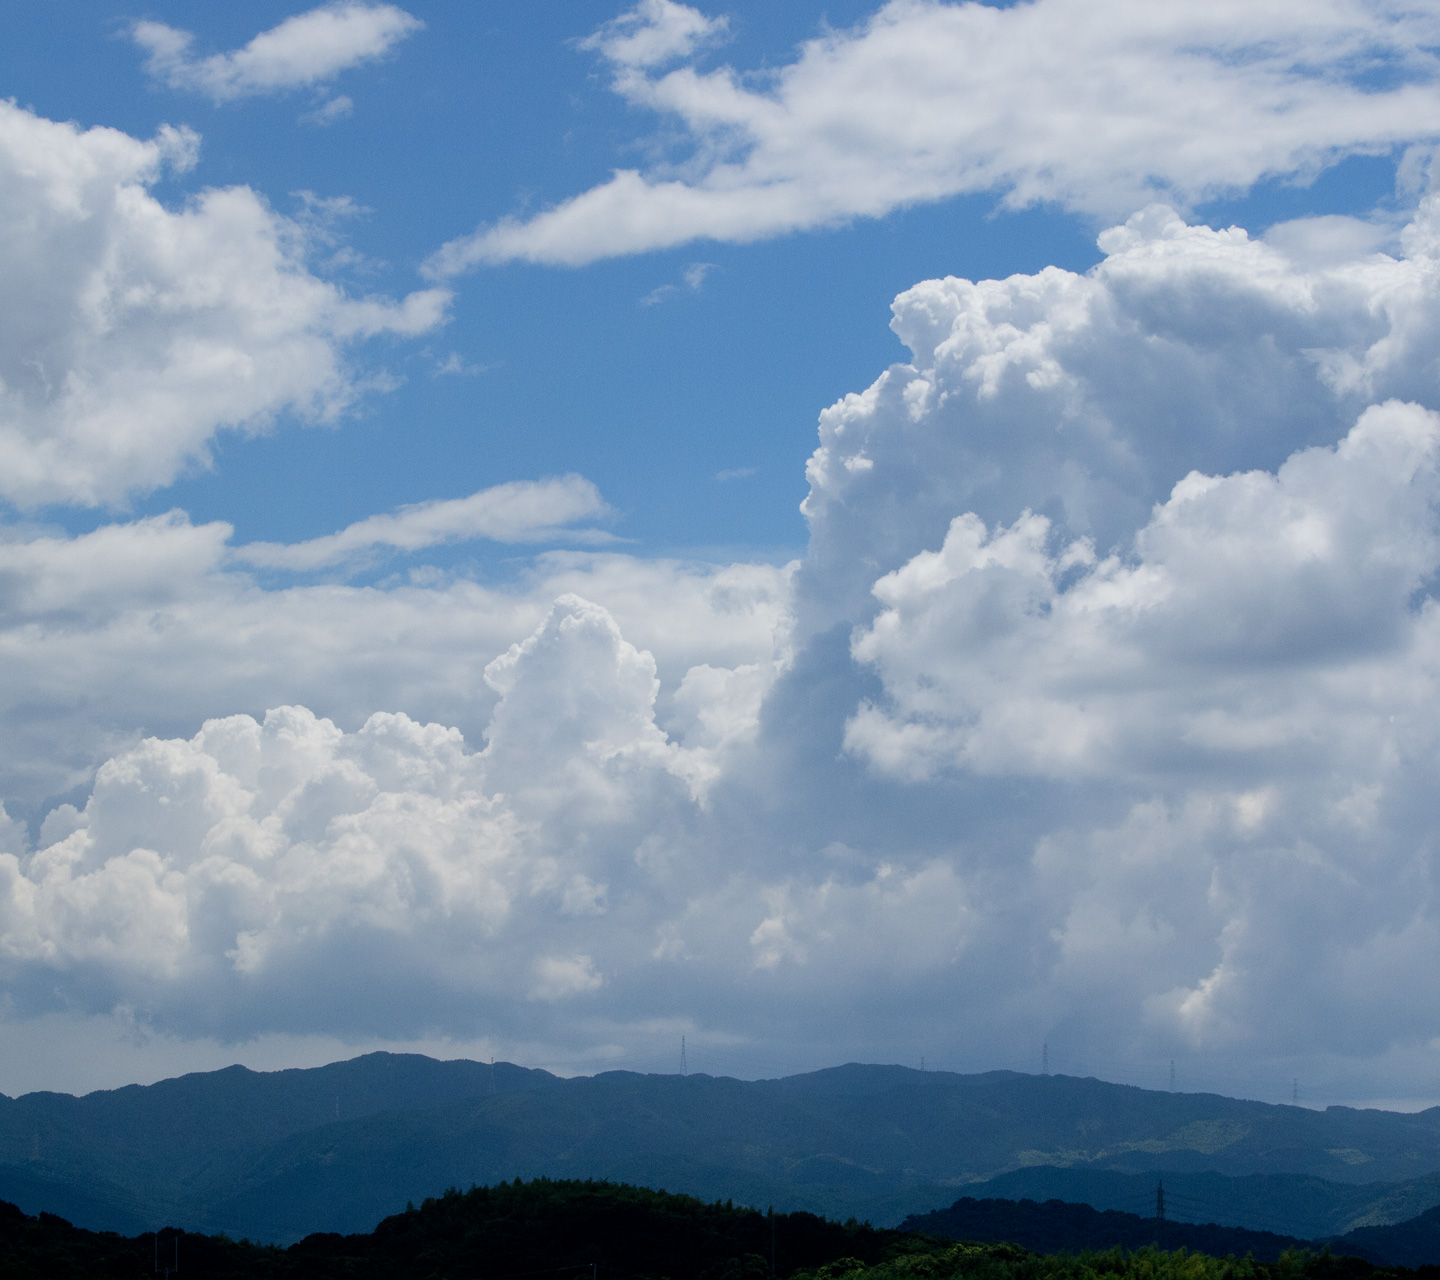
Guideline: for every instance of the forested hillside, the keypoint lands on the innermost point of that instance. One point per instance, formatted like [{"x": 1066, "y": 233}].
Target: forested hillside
[
  {"x": 601, "y": 1231},
  {"x": 278, "y": 1156}
]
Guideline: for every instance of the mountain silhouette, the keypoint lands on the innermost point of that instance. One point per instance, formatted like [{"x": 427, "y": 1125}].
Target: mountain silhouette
[{"x": 275, "y": 1156}]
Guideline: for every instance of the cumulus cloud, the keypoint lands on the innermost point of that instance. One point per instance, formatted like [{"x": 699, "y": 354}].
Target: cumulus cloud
[
  {"x": 133, "y": 333},
  {"x": 519, "y": 511},
  {"x": 1142, "y": 563},
  {"x": 1085, "y": 398},
  {"x": 262, "y": 872},
  {"x": 1196, "y": 650},
  {"x": 308, "y": 49},
  {"x": 1102, "y": 709},
  {"x": 150, "y": 626},
  {"x": 1041, "y": 102}
]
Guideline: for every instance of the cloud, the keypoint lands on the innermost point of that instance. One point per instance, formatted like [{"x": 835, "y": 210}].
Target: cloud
[
  {"x": 999, "y": 654},
  {"x": 1101, "y": 710},
  {"x": 654, "y": 32},
  {"x": 1136, "y": 571},
  {"x": 1036, "y": 103},
  {"x": 559, "y": 976},
  {"x": 309, "y": 49},
  {"x": 455, "y": 365},
  {"x": 693, "y": 276},
  {"x": 260, "y": 873},
  {"x": 134, "y": 333},
  {"x": 150, "y": 627},
  {"x": 329, "y": 112},
  {"x": 1085, "y": 398},
  {"x": 520, "y": 511}
]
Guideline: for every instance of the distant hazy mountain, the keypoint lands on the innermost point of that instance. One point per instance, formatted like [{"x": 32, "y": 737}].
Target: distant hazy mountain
[
  {"x": 264, "y": 1155},
  {"x": 1290, "y": 1204}
]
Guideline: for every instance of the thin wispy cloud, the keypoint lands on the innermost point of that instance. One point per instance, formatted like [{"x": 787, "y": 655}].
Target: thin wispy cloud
[
  {"x": 692, "y": 281},
  {"x": 1037, "y": 103},
  {"x": 518, "y": 511},
  {"x": 305, "y": 51}
]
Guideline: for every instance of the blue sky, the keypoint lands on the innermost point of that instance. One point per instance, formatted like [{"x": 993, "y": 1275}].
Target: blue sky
[
  {"x": 410, "y": 632},
  {"x": 477, "y": 116},
  {"x": 474, "y": 117}
]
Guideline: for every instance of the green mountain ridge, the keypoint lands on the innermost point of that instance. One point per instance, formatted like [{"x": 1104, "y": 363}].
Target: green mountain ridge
[{"x": 263, "y": 1155}]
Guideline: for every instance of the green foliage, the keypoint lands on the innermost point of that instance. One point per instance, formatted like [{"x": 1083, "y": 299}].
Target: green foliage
[{"x": 969, "y": 1261}]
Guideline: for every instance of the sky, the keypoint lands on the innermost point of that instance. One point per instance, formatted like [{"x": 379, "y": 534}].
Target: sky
[{"x": 835, "y": 532}]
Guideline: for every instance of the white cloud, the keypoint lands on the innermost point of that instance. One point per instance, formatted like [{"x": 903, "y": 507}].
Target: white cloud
[
  {"x": 1195, "y": 651},
  {"x": 1086, "y": 398},
  {"x": 693, "y": 276},
  {"x": 654, "y": 32},
  {"x": 309, "y": 49},
  {"x": 338, "y": 108},
  {"x": 1142, "y": 564},
  {"x": 148, "y": 627},
  {"x": 1101, "y": 710},
  {"x": 559, "y": 976},
  {"x": 1099, "y": 110},
  {"x": 455, "y": 365},
  {"x": 133, "y": 333},
  {"x": 261, "y": 873},
  {"x": 519, "y": 511}
]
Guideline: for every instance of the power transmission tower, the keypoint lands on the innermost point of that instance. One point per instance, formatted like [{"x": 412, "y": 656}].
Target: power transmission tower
[
  {"x": 1172, "y": 1075},
  {"x": 684, "y": 1067},
  {"x": 1295, "y": 1092},
  {"x": 1045, "y": 1058}
]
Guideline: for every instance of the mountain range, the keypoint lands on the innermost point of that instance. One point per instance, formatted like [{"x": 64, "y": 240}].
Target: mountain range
[{"x": 274, "y": 1156}]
